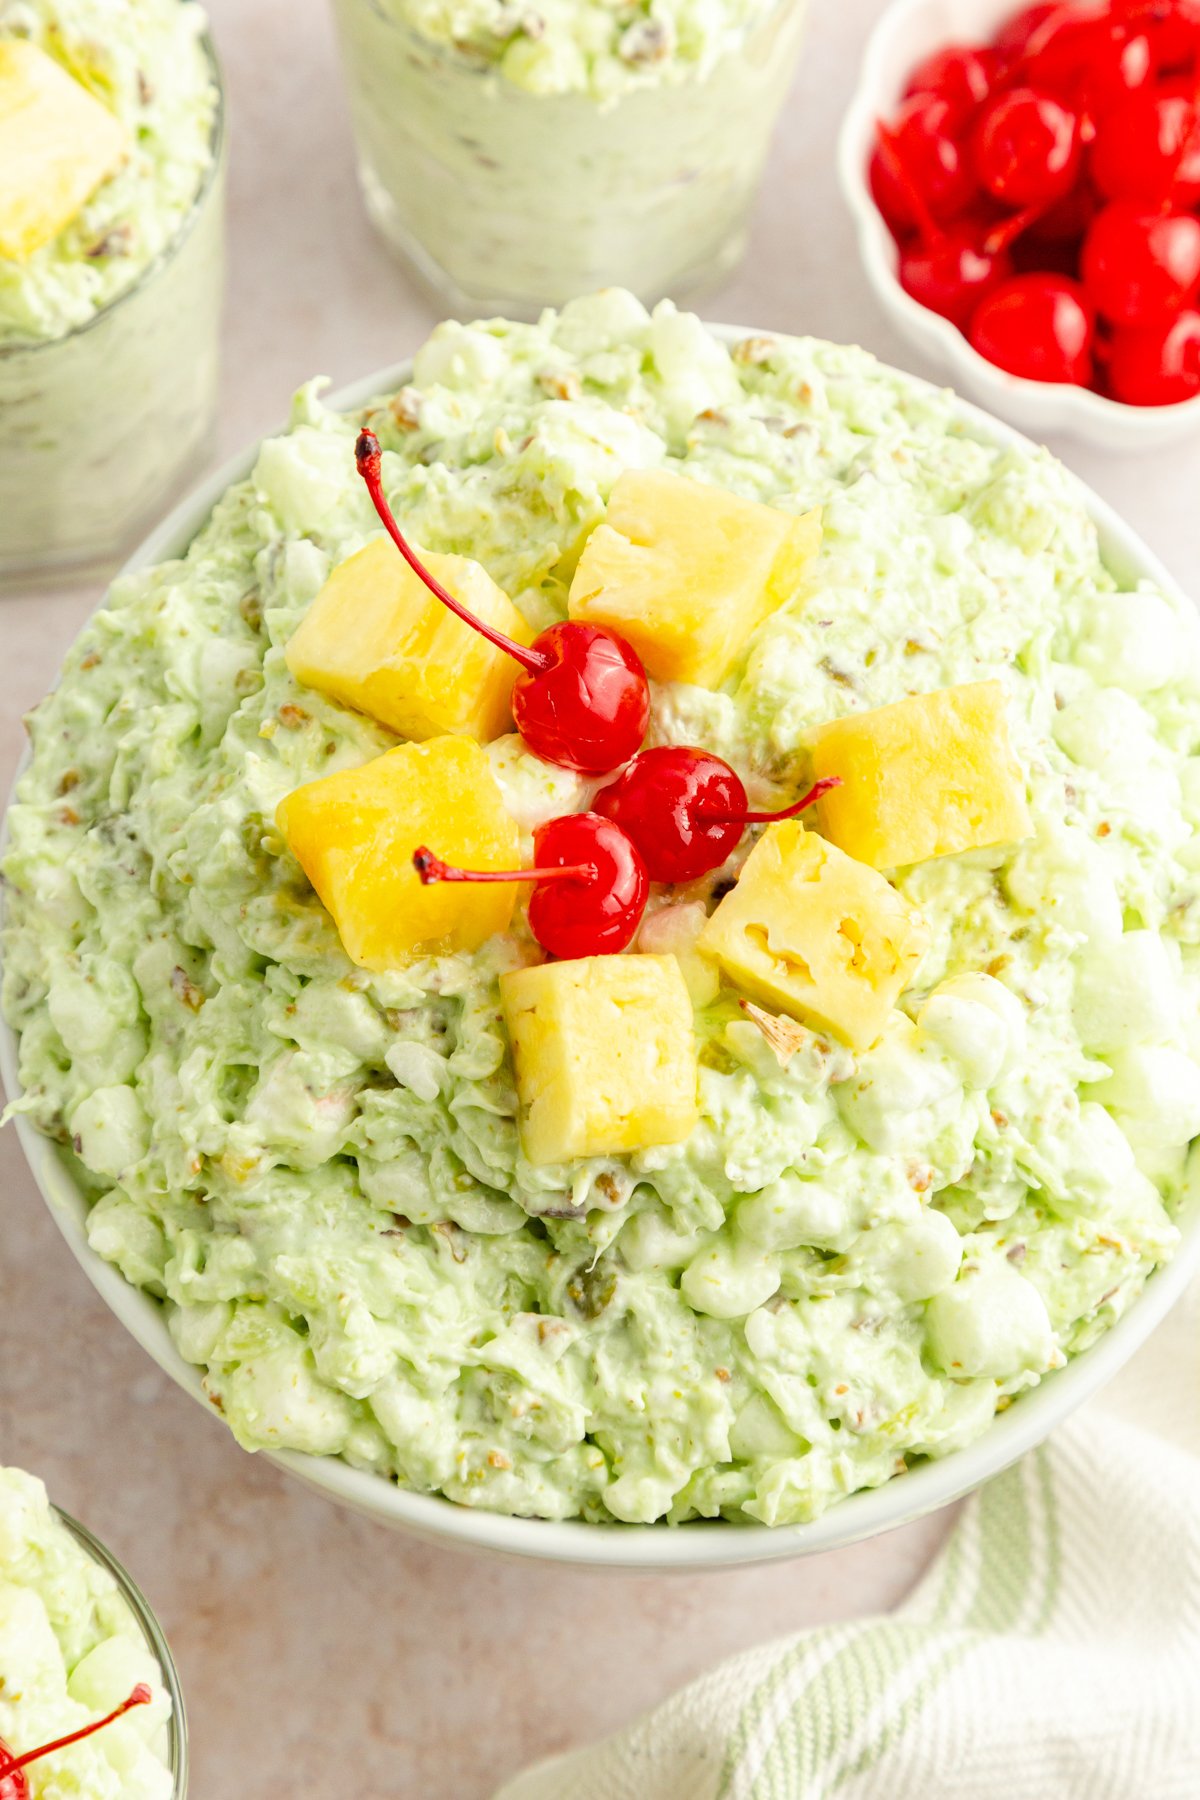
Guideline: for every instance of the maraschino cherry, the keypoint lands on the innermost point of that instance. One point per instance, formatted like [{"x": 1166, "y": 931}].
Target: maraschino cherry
[
  {"x": 13, "y": 1783},
  {"x": 960, "y": 75},
  {"x": 1039, "y": 326},
  {"x": 1173, "y": 28},
  {"x": 1026, "y": 148},
  {"x": 1158, "y": 365},
  {"x": 1140, "y": 265},
  {"x": 951, "y": 274},
  {"x": 919, "y": 173},
  {"x": 946, "y": 268},
  {"x": 581, "y": 700},
  {"x": 1010, "y": 41},
  {"x": 1148, "y": 149},
  {"x": 590, "y": 886},
  {"x": 1087, "y": 57},
  {"x": 685, "y": 810}
]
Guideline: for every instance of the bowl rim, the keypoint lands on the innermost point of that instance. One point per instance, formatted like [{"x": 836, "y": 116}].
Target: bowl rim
[
  {"x": 700, "y": 1544},
  {"x": 877, "y": 78},
  {"x": 155, "y": 1641}
]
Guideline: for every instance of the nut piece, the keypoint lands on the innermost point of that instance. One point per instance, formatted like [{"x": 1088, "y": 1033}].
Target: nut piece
[
  {"x": 646, "y": 43},
  {"x": 785, "y": 1036},
  {"x": 405, "y": 409},
  {"x": 560, "y": 384},
  {"x": 753, "y": 350}
]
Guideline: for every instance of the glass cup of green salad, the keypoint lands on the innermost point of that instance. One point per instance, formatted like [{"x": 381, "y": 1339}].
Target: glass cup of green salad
[
  {"x": 90, "y": 1703},
  {"x": 111, "y": 273},
  {"x": 520, "y": 152}
]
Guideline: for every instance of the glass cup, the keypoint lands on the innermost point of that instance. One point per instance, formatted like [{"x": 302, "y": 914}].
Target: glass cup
[
  {"x": 176, "y": 1727},
  {"x": 506, "y": 201},
  {"x": 99, "y": 429}
]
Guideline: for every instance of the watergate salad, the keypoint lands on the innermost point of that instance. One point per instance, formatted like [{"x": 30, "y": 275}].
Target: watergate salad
[
  {"x": 71, "y": 1653},
  {"x": 101, "y": 201},
  {"x": 841, "y": 1155}
]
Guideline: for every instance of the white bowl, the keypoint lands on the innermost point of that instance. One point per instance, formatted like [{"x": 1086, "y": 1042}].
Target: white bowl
[
  {"x": 702, "y": 1544},
  {"x": 908, "y": 31}
]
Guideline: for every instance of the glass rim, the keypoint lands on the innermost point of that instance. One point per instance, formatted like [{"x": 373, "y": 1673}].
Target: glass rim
[
  {"x": 38, "y": 346},
  {"x": 156, "y": 1643}
]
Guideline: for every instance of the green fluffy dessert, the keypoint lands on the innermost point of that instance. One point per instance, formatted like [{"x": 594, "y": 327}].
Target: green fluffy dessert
[
  {"x": 71, "y": 1650},
  {"x": 146, "y": 61},
  {"x": 853, "y": 1260},
  {"x": 585, "y": 46}
]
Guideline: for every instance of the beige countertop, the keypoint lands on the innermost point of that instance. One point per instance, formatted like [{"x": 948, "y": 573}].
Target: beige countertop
[{"x": 318, "y": 1650}]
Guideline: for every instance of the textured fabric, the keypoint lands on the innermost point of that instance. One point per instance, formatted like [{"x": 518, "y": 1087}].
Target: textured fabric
[{"x": 1052, "y": 1651}]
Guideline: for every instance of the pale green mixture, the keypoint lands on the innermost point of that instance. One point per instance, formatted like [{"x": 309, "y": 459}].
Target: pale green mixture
[
  {"x": 853, "y": 1261},
  {"x": 70, "y": 1651},
  {"x": 602, "y": 47}
]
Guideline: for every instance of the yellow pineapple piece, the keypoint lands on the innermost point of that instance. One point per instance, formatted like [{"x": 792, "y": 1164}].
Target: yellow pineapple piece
[
  {"x": 376, "y": 639},
  {"x": 687, "y": 572},
  {"x": 57, "y": 144},
  {"x": 815, "y": 934},
  {"x": 605, "y": 1055},
  {"x": 354, "y": 834},
  {"x": 927, "y": 777}
]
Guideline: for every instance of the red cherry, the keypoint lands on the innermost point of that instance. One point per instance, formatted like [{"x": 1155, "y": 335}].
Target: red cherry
[
  {"x": 581, "y": 700},
  {"x": 1148, "y": 149},
  {"x": 685, "y": 810},
  {"x": 1158, "y": 365},
  {"x": 1038, "y": 326},
  {"x": 13, "y": 1783},
  {"x": 682, "y": 808},
  {"x": 951, "y": 275},
  {"x": 918, "y": 171},
  {"x": 1173, "y": 27},
  {"x": 590, "y": 885},
  {"x": 589, "y": 705},
  {"x": 1011, "y": 39},
  {"x": 1087, "y": 59},
  {"x": 958, "y": 74},
  {"x": 1139, "y": 265},
  {"x": 1026, "y": 148}
]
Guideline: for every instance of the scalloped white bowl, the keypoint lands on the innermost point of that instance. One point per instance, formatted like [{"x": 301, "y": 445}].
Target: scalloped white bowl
[
  {"x": 704, "y": 1544},
  {"x": 907, "y": 32}
]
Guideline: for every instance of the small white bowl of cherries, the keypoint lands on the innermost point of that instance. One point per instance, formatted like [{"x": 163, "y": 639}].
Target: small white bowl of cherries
[{"x": 1026, "y": 187}]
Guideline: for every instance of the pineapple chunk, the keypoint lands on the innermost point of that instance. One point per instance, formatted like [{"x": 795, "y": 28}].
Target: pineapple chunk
[
  {"x": 57, "y": 144},
  {"x": 354, "y": 834},
  {"x": 817, "y": 935},
  {"x": 927, "y": 777},
  {"x": 605, "y": 1055},
  {"x": 376, "y": 639},
  {"x": 687, "y": 572}
]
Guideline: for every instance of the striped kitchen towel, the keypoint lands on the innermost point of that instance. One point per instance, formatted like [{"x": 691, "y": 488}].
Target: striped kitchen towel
[{"x": 1052, "y": 1651}]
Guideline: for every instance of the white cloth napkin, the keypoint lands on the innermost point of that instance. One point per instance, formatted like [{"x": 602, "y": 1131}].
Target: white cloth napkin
[{"x": 1052, "y": 1651}]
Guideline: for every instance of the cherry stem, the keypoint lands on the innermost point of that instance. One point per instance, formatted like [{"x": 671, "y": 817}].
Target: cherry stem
[
  {"x": 141, "y": 1696},
  {"x": 431, "y": 868},
  {"x": 928, "y": 228},
  {"x": 369, "y": 457},
  {"x": 1006, "y": 233},
  {"x": 814, "y": 793}
]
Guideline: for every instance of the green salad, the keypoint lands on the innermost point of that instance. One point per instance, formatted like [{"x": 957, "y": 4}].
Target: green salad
[
  {"x": 70, "y": 1651},
  {"x": 146, "y": 62},
  {"x": 854, "y": 1259},
  {"x": 585, "y": 46}
]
